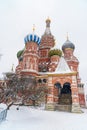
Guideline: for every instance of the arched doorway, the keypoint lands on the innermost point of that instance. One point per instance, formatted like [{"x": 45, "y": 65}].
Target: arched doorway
[{"x": 65, "y": 95}]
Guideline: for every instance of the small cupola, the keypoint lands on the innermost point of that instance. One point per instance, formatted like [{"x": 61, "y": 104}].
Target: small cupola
[{"x": 68, "y": 45}]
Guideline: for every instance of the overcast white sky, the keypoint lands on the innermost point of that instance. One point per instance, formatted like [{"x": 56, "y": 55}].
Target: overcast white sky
[{"x": 18, "y": 16}]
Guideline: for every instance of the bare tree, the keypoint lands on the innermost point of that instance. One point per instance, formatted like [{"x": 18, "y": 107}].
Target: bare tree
[{"x": 24, "y": 88}]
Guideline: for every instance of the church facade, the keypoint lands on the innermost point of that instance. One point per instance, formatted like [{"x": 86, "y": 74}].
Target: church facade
[{"x": 60, "y": 74}]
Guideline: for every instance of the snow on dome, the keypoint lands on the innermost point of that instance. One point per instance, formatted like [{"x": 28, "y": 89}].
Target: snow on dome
[
  {"x": 62, "y": 67},
  {"x": 32, "y": 37}
]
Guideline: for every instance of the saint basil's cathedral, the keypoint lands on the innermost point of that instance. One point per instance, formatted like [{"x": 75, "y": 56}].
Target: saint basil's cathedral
[{"x": 57, "y": 71}]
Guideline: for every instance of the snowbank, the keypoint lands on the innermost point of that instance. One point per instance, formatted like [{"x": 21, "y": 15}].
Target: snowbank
[{"x": 27, "y": 118}]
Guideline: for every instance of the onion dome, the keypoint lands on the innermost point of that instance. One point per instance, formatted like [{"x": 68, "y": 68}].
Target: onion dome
[
  {"x": 32, "y": 38},
  {"x": 68, "y": 44},
  {"x": 19, "y": 55}
]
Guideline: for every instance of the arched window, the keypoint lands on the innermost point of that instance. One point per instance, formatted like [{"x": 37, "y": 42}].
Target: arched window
[
  {"x": 44, "y": 80},
  {"x": 66, "y": 88},
  {"x": 39, "y": 81},
  {"x": 57, "y": 85}
]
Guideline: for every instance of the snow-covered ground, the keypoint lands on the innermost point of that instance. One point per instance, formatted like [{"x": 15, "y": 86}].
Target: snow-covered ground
[{"x": 27, "y": 118}]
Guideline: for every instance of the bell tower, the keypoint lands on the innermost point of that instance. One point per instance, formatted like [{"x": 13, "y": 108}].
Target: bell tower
[{"x": 47, "y": 42}]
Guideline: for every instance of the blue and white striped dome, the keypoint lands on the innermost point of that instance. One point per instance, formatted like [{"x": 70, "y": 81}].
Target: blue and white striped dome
[{"x": 32, "y": 37}]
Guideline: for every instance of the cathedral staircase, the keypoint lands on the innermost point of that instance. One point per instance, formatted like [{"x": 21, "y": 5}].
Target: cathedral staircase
[
  {"x": 65, "y": 99},
  {"x": 65, "y": 102}
]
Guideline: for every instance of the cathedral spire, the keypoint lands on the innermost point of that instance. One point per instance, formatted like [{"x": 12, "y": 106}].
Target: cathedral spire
[
  {"x": 12, "y": 68},
  {"x": 67, "y": 37},
  {"x": 33, "y": 28},
  {"x": 48, "y": 21},
  {"x": 47, "y": 31}
]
